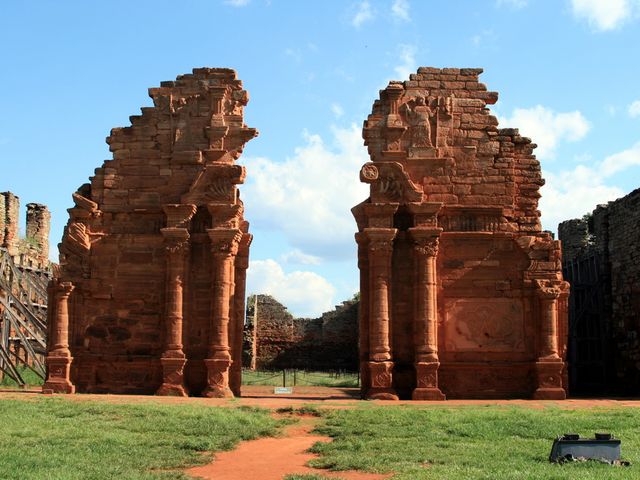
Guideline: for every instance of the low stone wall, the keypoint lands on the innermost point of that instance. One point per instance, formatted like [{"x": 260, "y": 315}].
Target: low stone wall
[{"x": 274, "y": 339}]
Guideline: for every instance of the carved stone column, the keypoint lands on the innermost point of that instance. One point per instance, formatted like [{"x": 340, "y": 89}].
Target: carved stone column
[
  {"x": 224, "y": 248},
  {"x": 241, "y": 265},
  {"x": 173, "y": 358},
  {"x": 380, "y": 249},
  {"x": 59, "y": 356},
  {"x": 425, "y": 332},
  {"x": 363, "y": 313},
  {"x": 549, "y": 365}
]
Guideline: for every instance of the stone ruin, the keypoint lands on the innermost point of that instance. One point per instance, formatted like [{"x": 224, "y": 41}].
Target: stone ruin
[
  {"x": 462, "y": 293},
  {"x": 33, "y": 249},
  {"x": 150, "y": 293},
  {"x": 275, "y": 340},
  {"x": 601, "y": 259}
]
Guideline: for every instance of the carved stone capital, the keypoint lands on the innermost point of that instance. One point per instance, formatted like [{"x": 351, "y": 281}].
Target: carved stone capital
[
  {"x": 176, "y": 240},
  {"x": 224, "y": 215},
  {"x": 425, "y": 240},
  {"x": 380, "y": 240},
  {"x": 224, "y": 241},
  {"x": 179, "y": 215},
  {"x": 551, "y": 289},
  {"x": 60, "y": 290}
]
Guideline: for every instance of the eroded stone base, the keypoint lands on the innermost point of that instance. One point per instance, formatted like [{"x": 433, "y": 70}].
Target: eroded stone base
[
  {"x": 428, "y": 394},
  {"x": 58, "y": 380},
  {"x": 550, "y": 394},
  {"x": 381, "y": 394},
  {"x": 550, "y": 386},
  {"x": 217, "y": 379},
  {"x": 173, "y": 377}
]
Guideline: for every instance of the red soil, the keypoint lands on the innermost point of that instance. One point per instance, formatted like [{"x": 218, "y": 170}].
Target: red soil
[{"x": 273, "y": 458}]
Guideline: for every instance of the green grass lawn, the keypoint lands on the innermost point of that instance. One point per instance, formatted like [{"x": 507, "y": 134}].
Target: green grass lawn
[
  {"x": 471, "y": 442},
  {"x": 300, "y": 378},
  {"x": 52, "y": 438},
  {"x": 28, "y": 375},
  {"x": 56, "y": 438}
]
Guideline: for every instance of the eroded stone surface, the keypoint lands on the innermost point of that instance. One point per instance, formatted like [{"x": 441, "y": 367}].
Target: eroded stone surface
[
  {"x": 462, "y": 293},
  {"x": 150, "y": 294}
]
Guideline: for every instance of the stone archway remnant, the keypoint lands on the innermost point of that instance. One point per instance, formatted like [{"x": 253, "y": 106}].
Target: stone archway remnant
[
  {"x": 462, "y": 292},
  {"x": 150, "y": 293}
]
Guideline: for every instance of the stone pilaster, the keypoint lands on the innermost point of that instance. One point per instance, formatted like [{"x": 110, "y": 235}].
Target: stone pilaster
[
  {"x": 224, "y": 248},
  {"x": 363, "y": 313},
  {"x": 173, "y": 358},
  {"x": 425, "y": 332},
  {"x": 380, "y": 250},
  {"x": 241, "y": 265},
  {"x": 550, "y": 365},
  {"x": 59, "y": 357}
]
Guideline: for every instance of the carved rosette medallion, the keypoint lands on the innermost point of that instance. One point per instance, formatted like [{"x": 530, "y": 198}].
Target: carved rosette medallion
[{"x": 369, "y": 173}]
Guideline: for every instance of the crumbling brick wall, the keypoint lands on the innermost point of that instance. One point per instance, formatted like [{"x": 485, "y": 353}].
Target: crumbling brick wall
[
  {"x": 274, "y": 339},
  {"x": 612, "y": 232},
  {"x": 33, "y": 249}
]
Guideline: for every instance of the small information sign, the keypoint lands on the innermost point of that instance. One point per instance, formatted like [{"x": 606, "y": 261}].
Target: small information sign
[{"x": 282, "y": 390}]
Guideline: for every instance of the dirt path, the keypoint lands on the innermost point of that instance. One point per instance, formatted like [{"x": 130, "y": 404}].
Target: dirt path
[{"x": 273, "y": 458}]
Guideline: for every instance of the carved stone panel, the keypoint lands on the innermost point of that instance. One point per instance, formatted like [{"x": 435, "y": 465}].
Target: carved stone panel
[{"x": 484, "y": 325}]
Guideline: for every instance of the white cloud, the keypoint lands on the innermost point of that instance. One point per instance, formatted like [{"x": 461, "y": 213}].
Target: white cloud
[
  {"x": 400, "y": 10},
  {"x": 634, "y": 109},
  {"x": 305, "y": 294},
  {"x": 621, "y": 161},
  {"x": 337, "y": 110},
  {"x": 517, "y": 4},
  {"x": 308, "y": 196},
  {"x": 298, "y": 257},
  {"x": 363, "y": 13},
  {"x": 408, "y": 63},
  {"x": 572, "y": 193},
  {"x": 482, "y": 37},
  {"x": 604, "y": 15},
  {"x": 237, "y": 3},
  {"x": 547, "y": 128},
  {"x": 294, "y": 53}
]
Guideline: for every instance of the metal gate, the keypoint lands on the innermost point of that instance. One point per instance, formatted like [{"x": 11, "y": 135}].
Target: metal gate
[{"x": 589, "y": 326}]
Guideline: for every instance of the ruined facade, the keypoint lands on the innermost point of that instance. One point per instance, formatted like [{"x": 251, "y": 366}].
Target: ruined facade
[
  {"x": 150, "y": 294},
  {"x": 274, "y": 339},
  {"x": 601, "y": 259},
  {"x": 462, "y": 293}
]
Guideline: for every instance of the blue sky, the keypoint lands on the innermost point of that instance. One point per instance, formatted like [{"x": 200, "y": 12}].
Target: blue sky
[{"x": 567, "y": 72}]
